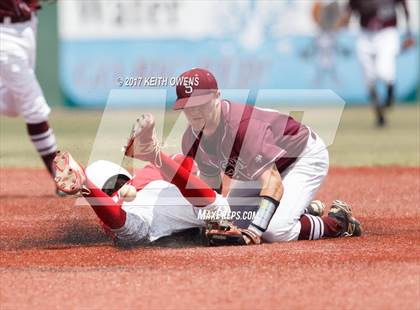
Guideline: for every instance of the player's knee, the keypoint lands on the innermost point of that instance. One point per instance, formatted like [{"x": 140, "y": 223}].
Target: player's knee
[
  {"x": 270, "y": 237},
  {"x": 387, "y": 75},
  {"x": 8, "y": 105},
  {"x": 36, "y": 110},
  {"x": 278, "y": 232},
  {"x": 12, "y": 67},
  {"x": 276, "y": 236},
  {"x": 134, "y": 231}
]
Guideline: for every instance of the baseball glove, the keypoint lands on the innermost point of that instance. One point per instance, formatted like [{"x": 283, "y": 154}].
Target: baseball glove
[{"x": 225, "y": 233}]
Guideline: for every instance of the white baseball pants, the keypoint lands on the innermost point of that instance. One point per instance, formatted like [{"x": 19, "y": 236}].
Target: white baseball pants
[
  {"x": 20, "y": 92},
  {"x": 160, "y": 210},
  {"x": 377, "y": 52}
]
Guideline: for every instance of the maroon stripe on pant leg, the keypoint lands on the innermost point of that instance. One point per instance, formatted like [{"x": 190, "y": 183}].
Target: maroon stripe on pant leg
[
  {"x": 306, "y": 227},
  {"x": 321, "y": 224},
  {"x": 36, "y": 129}
]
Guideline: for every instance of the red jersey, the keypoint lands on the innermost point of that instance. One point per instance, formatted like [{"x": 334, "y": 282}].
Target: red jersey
[
  {"x": 376, "y": 14},
  {"x": 247, "y": 140},
  {"x": 150, "y": 173},
  {"x": 144, "y": 176},
  {"x": 18, "y": 8}
]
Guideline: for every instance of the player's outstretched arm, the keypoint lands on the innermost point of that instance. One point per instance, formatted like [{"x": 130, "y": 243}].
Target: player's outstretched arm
[
  {"x": 409, "y": 40},
  {"x": 270, "y": 195},
  {"x": 344, "y": 19},
  {"x": 271, "y": 183}
]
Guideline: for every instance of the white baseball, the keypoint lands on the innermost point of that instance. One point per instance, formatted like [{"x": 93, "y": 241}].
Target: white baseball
[{"x": 128, "y": 192}]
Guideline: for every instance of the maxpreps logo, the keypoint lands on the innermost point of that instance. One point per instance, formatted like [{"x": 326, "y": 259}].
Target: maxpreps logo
[
  {"x": 188, "y": 83},
  {"x": 217, "y": 215}
]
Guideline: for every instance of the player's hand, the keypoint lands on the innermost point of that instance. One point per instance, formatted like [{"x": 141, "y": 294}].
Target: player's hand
[
  {"x": 225, "y": 233},
  {"x": 408, "y": 43}
]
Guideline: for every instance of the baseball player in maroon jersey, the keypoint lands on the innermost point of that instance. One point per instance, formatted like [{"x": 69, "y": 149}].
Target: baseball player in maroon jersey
[
  {"x": 378, "y": 45},
  {"x": 160, "y": 203},
  {"x": 276, "y": 165},
  {"x": 20, "y": 93}
]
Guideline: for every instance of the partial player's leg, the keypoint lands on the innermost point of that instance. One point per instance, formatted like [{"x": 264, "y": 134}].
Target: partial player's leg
[
  {"x": 290, "y": 222},
  {"x": 390, "y": 98},
  {"x": 366, "y": 53},
  {"x": 172, "y": 212},
  {"x": 375, "y": 103},
  {"x": 387, "y": 42},
  {"x": 72, "y": 179},
  {"x": 244, "y": 198},
  {"x": 40, "y": 132},
  {"x": 42, "y": 136},
  {"x": 302, "y": 181},
  {"x": 91, "y": 183},
  {"x": 18, "y": 78}
]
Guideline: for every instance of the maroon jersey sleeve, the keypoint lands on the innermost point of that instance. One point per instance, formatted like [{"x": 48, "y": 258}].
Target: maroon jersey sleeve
[
  {"x": 352, "y": 5},
  {"x": 33, "y": 4},
  {"x": 259, "y": 149},
  {"x": 376, "y": 14},
  {"x": 18, "y": 8},
  {"x": 190, "y": 145}
]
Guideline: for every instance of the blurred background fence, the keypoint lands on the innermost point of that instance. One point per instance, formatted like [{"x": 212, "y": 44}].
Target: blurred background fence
[{"x": 86, "y": 47}]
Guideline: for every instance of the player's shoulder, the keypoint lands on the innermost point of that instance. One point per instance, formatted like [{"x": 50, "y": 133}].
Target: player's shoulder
[
  {"x": 353, "y": 4},
  {"x": 242, "y": 120},
  {"x": 244, "y": 115},
  {"x": 235, "y": 113}
]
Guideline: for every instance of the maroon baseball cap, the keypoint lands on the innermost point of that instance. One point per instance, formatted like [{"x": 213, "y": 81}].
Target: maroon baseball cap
[{"x": 194, "y": 88}]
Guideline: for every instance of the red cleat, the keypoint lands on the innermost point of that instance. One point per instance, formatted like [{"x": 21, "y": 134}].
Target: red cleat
[
  {"x": 69, "y": 175},
  {"x": 142, "y": 143}
]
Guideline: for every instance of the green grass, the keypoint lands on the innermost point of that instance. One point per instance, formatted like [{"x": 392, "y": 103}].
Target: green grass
[{"x": 357, "y": 141}]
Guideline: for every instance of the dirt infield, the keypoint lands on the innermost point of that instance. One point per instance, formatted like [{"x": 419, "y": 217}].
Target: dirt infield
[{"x": 54, "y": 255}]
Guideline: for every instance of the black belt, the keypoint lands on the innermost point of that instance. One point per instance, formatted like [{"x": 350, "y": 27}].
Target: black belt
[{"x": 15, "y": 19}]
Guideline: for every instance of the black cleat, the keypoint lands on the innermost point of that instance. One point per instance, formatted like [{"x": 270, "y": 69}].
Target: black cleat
[
  {"x": 380, "y": 120},
  {"x": 316, "y": 208},
  {"x": 341, "y": 211}
]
